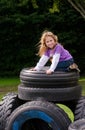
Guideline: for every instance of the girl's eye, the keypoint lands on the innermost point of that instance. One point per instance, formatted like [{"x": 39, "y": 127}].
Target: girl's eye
[{"x": 47, "y": 41}]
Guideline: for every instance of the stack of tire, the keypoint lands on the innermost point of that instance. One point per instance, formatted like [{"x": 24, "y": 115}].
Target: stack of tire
[{"x": 35, "y": 107}]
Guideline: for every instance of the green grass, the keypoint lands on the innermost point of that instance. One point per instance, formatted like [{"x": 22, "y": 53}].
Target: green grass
[
  {"x": 9, "y": 82},
  {"x": 8, "y": 85},
  {"x": 82, "y": 83}
]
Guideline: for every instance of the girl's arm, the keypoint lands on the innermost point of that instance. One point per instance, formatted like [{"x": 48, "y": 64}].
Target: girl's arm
[
  {"x": 43, "y": 60},
  {"x": 55, "y": 61}
]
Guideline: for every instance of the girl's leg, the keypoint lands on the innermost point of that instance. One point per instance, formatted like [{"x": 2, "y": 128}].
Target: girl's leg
[{"x": 63, "y": 65}]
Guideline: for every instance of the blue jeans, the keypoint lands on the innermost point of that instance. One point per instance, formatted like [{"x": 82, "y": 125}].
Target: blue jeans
[{"x": 63, "y": 65}]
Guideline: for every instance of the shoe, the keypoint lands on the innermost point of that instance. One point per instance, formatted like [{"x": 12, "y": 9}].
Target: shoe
[{"x": 74, "y": 66}]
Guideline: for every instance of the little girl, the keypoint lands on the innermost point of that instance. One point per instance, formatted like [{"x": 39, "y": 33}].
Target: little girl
[{"x": 49, "y": 48}]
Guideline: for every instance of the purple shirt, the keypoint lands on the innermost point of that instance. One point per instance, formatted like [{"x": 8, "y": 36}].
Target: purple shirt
[{"x": 59, "y": 49}]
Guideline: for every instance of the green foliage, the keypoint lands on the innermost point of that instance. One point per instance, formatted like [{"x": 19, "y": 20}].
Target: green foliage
[
  {"x": 55, "y": 7},
  {"x": 21, "y": 25}
]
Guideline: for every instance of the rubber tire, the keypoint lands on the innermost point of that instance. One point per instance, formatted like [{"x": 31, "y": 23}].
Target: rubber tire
[
  {"x": 80, "y": 109},
  {"x": 51, "y": 94},
  {"x": 77, "y": 125},
  {"x": 34, "y": 111},
  {"x": 39, "y": 79},
  {"x": 9, "y": 102},
  {"x": 71, "y": 104}
]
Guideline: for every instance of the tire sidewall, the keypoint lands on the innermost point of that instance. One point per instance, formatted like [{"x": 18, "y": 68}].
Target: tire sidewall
[{"x": 28, "y": 111}]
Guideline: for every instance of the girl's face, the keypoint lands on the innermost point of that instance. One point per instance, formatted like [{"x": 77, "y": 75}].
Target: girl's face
[{"x": 50, "y": 42}]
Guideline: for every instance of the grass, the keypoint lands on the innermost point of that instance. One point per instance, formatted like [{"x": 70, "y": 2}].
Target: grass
[
  {"x": 82, "y": 83},
  {"x": 11, "y": 85},
  {"x": 9, "y": 82},
  {"x": 8, "y": 85}
]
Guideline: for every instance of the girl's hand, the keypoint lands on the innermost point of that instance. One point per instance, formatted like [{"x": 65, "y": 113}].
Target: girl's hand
[{"x": 49, "y": 72}]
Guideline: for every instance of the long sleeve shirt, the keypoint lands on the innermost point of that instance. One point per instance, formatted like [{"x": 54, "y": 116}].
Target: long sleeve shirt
[{"x": 57, "y": 54}]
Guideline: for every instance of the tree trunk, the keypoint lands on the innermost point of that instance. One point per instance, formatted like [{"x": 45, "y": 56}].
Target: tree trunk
[{"x": 79, "y": 5}]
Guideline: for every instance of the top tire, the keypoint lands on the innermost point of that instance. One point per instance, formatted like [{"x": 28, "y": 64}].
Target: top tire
[{"x": 39, "y": 79}]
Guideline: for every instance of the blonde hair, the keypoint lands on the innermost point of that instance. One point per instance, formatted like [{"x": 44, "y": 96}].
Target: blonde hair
[{"x": 42, "y": 46}]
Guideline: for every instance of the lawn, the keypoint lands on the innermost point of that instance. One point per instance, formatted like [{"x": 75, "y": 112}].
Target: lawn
[
  {"x": 8, "y": 85},
  {"x": 82, "y": 83}
]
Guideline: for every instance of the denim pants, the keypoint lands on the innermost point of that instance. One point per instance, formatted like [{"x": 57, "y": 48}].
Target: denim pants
[{"x": 63, "y": 65}]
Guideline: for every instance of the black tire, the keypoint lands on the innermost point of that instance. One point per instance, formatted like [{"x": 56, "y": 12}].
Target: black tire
[
  {"x": 42, "y": 80},
  {"x": 9, "y": 102},
  {"x": 77, "y": 125},
  {"x": 32, "y": 115},
  {"x": 71, "y": 104},
  {"x": 80, "y": 109},
  {"x": 51, "y": 94}
]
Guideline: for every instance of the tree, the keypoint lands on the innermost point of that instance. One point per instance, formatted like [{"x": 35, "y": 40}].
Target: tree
[{"x": 79, "y": 5}]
